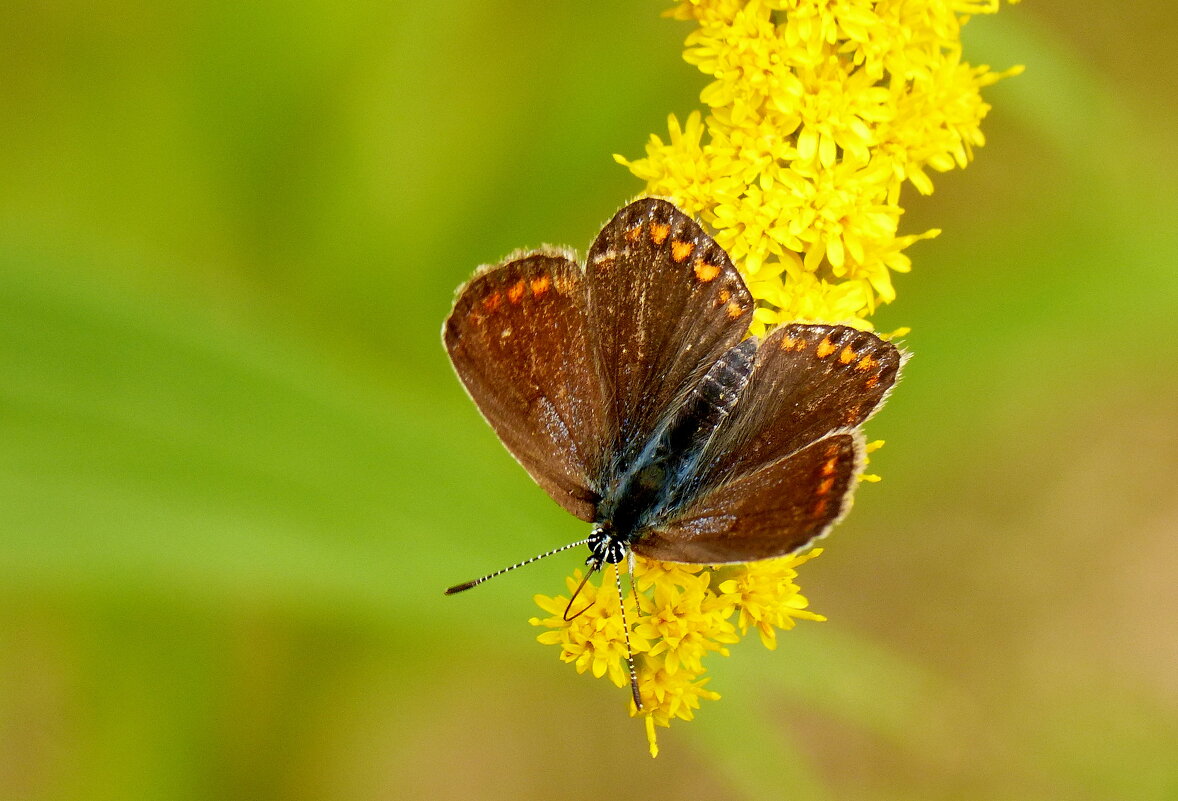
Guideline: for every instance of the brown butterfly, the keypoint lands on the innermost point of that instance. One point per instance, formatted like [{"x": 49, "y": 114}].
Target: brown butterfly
[{"x": 628, "y": 390}]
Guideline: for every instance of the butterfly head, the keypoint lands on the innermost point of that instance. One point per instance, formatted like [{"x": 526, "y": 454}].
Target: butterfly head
[{"x": 606, "y": 546}]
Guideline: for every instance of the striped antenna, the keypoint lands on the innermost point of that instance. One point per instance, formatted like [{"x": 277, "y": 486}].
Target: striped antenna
[
  {"x": 489, "y": 576},
  {"x": 626, "y": 628},
  {"x": 594, "y": 566}
]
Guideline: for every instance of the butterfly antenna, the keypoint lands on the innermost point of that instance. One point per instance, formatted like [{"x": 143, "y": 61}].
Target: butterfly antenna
[
  {"x": 594, "y": 566},
  {"x": 478, "y": 581},
  {"x": 633, "y": 586},
  {"x": 626, "y": 629}
]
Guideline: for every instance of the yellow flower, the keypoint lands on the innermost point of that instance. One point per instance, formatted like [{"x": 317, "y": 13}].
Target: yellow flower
[
  {"x": 819, "y": 114},
  {"x": 594, "y": 640},
  {"x": 684, "y": 618},
  {"x": 667, "y": 695},
  {"x": 768, "y": 598},
  {"x": 681, "y": 614}
]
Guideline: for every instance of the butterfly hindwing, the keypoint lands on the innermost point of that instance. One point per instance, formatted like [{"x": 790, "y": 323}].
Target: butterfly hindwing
[
  {"x": 518, "y": 340},
  {"x": 808, "y": 379},
  {"x": 769, "y": 512}
]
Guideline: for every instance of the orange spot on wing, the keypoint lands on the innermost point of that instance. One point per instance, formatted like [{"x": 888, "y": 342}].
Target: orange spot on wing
[
  {"x": 540, "y": 285},
  {"x": 725, "y": 295},
  {"x": 492, "y": 302},
  {"x": 826, "y": 486},
  {"x": 846, "y": 355},
  {"x": 825, "y": 348},
  {"x": 516, "y": 292},
  {"x": 852, "y": 414},
  {"x": 872, "y": 381},
  {"x": 659, "y": 232},
  {"x": 681, "y": 250},
  {"x": 819, "y": 507},
  {"x": 866, "y": 363},
  {"x": 704, "y": 271},
  {"x": 830, "y": 465},
  {"x": 793, "y": 343},
  {"x": 633, "y": 234},
  {"x": 734, "y": 310}
]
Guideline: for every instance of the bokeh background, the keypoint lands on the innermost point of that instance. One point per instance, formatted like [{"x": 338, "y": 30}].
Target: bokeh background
[{"x": 236, "y": 471}]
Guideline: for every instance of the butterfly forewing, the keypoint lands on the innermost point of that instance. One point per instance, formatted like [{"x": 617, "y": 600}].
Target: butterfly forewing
[
  {"x": 518, "y": 340},
  {"x": 769, "y": 512},
  {"x": 664, "y": 303},
  {"x": 807, "y": 381}
]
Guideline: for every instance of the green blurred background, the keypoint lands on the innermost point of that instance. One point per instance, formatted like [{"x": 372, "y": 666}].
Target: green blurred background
[{"x": 236, "y": 471}]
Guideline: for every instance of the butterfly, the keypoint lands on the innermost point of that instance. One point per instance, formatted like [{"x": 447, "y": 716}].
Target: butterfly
[{"x": 630, "y": 392}]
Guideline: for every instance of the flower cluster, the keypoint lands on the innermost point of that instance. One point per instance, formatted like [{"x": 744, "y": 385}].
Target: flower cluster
[
  {"x": 680, "y": 614},
  {"x": 819, "y": 112}
]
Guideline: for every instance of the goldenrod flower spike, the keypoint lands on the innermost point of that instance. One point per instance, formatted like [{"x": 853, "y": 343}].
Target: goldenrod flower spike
[{"x": 819, "y": 114}]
